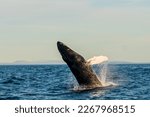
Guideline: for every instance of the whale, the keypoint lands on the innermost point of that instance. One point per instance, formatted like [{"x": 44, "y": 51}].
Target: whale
[{"x": 80, "y": 68}]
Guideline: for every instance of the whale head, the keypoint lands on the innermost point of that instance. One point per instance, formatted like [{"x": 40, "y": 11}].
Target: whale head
[{"x": 70, "y": 56}]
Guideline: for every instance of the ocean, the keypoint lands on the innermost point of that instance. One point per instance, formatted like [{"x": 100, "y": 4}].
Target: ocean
[{"x": 56, "y": 82}]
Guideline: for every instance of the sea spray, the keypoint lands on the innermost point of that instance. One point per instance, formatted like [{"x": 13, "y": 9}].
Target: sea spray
[
  {"x": 100, "y": 67},
  {"x": 97, "y": 60},
  {"x": 99, "y": 64},
  {"x": 101, "y": 71}
]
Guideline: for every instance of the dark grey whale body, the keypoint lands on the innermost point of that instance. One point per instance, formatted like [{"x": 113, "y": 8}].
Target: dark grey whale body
[{"x": 79, "y": 67}]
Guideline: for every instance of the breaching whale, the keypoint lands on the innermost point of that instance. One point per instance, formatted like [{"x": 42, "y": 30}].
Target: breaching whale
[{"x": 80, "y": 68}]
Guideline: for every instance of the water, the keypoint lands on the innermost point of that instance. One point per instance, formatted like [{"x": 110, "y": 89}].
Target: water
[{"x": 51, "y": 82}]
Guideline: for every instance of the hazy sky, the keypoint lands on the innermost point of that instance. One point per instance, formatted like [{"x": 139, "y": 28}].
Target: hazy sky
[{"x": 119, "y": 29}]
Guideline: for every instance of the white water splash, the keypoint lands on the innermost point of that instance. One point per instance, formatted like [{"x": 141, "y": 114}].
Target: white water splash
[
  {"x": 102, "y": 75},
  {"x": 101, "y": 70},
  {"x": 100, "y": 67},
  {"x": 97, "y": 60}
]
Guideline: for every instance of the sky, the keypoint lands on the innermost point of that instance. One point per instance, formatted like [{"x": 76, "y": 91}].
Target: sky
[{"x": 119, "y": 29}]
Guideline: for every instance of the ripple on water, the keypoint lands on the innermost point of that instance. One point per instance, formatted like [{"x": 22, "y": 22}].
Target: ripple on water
[{"x": 57, "y": 82}]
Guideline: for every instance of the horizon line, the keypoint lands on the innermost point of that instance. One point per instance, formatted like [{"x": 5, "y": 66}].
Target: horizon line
[{"x": 62, "y": 62}]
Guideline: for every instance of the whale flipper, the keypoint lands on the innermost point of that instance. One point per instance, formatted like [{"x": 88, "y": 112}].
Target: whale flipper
[{"x": 79, "y": 66}]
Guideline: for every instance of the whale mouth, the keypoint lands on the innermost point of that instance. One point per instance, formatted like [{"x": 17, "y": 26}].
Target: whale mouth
[
  {"x": 63, "y": 50},
  {"x": 66, "y": 53},
  {"x": 61, "y": 47}
]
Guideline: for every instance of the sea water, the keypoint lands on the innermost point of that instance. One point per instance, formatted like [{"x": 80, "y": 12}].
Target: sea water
[{"x": 56, "y": 82}]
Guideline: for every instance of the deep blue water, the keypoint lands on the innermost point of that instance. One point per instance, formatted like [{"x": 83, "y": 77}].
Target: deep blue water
[{"x": 56, "y": 82}]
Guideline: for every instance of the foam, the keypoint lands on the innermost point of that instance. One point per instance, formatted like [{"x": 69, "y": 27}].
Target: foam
[{"x": 97, "y": 60}]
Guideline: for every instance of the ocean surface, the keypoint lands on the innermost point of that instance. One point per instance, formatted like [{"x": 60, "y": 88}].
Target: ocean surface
[{"x": 56, "y": 82}]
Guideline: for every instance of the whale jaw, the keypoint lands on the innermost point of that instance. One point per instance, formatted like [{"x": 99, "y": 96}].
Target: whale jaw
[{"x": 79, "y": 67}]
